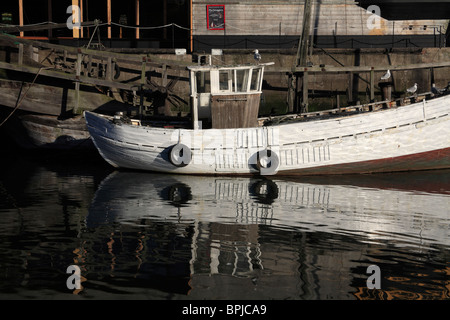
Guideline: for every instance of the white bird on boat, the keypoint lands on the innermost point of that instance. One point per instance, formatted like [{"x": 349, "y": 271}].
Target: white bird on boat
[
  {"x": 257, "y": 55},
  {"x": 436, "y": 90},
  {"x": 386, "y": 76},
  {"x": 413, "y": 89}
]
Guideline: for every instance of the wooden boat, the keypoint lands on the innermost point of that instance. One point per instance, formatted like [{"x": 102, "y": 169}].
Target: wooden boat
[{"x": 226, "y": 137}]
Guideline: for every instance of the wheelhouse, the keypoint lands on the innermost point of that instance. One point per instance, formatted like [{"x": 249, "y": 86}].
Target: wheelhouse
[{"x": 226, "y": 96}]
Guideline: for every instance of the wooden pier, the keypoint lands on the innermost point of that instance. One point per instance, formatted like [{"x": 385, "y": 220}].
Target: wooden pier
[
  {"x": 87, "y": 66},
  {"x": 99, "y": 68},
  {"x": 354, "y": 70}
]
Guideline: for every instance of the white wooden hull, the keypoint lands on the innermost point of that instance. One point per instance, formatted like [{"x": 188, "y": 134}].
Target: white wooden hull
[{"x": 412, "y": 137}]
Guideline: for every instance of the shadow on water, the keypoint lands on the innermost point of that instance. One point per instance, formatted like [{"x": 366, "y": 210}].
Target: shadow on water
[{"x": 152, "y": 236}]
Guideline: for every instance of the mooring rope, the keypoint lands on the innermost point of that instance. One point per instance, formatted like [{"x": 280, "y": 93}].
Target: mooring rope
[{"x": 19, "y": 101}]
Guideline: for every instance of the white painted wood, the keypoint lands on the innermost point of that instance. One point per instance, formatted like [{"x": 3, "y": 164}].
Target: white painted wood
[
  {"x": 379, "y": 135},
  {"x": 285, "y": 18}
]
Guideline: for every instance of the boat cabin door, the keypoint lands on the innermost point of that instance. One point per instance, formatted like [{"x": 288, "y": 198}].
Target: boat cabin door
[{"x": 226, "y": 97}]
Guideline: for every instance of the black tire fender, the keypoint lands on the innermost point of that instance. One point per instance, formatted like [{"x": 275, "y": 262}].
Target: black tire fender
[
  {"x": 180, "y": 155},
  {"x": 267, "y": 162}
]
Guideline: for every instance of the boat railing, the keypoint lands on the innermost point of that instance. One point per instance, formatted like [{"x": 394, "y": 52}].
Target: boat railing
[{"x": 368, "y": 107}]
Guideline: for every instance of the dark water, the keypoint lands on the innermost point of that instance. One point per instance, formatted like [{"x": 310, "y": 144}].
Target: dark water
[{"x": 151, "y": 236}]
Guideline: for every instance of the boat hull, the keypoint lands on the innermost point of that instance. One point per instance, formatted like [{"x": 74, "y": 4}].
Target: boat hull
[
  {"x": 46, "y": 132},
  {"x": 407, "y": 138},
  {"x": 431, "y": 160}
]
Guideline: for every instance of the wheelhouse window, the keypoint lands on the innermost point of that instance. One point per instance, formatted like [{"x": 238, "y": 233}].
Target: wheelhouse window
[
  {"x": 241, "y": 77},
  {"x": 255, "y": 80},
  {"x": 203, "y": 81},
  {"x": 237, "y": 80},
  {"x": 225, "y": 80}
]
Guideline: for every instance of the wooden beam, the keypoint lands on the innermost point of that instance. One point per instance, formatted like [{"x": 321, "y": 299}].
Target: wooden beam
[
  {"x": 20, "y": 58},
  {"x": 305, "y": 92},
  {"x": 304, "y": 44},
  {"x": 77, "y": 83},
  {"x": 135, "y": 59},
  {"x": 81, "y": 18},
  {"x": 291, "y": 92},
  {"x": 372, "y": 85},
  {"x": 191, "y": 22},
  {"x": 108, "y": 8},
  {"x": 137, "y": 19},
  {"x": 66, "y": 76},
  {"x": 76, "y": 19},
  {"x": 21, "y": 16},
  {"x": 362, "y": 69},
  {"x": 144, "y": 71}
]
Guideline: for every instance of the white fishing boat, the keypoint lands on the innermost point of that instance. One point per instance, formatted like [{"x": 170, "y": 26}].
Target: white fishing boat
[{"x": 225, "y": 136}]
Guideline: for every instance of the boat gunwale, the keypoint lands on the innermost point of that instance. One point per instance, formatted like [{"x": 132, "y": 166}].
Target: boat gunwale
[{"x": 310, "y": 117}]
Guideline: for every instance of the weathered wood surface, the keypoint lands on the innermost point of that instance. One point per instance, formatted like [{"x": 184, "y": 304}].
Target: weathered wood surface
[
  {"x": 55, "y": 100},
  {"x": 362, "y": 69},
  {"x": 49, "y": 132},
  {"x": 284, "y": 18},
  {"x": 66, "y": 76},
  {"x": 393, "y": 139},
  {"x": 235, "y": 111},
  {"x": 135, "y": 59}
]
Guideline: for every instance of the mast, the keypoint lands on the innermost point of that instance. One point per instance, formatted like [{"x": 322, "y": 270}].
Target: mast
[
  {"x": 302, "y": 51},
  {"x": 300, "y": 61}
]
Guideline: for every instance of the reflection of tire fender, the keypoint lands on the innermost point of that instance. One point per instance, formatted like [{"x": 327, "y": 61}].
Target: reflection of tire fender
[
  {"x": 266, "y": 191},
  {"x": 180, "y": 155},
  {"x": 263, "y": 164},
  {"x": 177, "y": 194}
]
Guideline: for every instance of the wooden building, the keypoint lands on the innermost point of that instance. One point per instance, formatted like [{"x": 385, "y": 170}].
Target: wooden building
[
  {"x": 334, "y": 23},
  {"x": 202, "y": 25}
]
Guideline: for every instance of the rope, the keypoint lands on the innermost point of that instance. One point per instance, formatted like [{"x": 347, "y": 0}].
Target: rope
[
  {"x": 149, "y": 28},
  {"x": 19, "y": 101}
]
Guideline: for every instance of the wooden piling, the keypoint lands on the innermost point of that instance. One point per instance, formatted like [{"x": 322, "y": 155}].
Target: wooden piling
[
  {"x": 372, "y": 85},
  {"x": 20, "y": 57},
  {"x": 291, "y": 92},
  {"x": 77, "y": 82},
  {"x": 305, "y": 92}
]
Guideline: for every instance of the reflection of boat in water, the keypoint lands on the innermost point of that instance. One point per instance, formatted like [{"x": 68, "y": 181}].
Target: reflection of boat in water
[
  {"x": 313, "y": 206},
  {"x": 206, "y": 229}
]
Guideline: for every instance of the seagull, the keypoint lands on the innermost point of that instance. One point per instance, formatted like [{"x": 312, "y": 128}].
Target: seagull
[
  {"x": 436, "y": 90},
  {"x": 413, "y": 89},
  {"x": 386, "y": 76},
  {"x": 447, "y": 88},
  {"x": 257, "y": 55}
]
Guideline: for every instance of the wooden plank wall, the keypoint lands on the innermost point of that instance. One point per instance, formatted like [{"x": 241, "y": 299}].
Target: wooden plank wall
[
  {"x": 284, "y": 18},
  {"x": 235, "y": 111}
]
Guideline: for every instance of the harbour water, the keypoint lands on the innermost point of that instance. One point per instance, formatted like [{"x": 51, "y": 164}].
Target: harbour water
[{"x": 135, "y": 235}]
